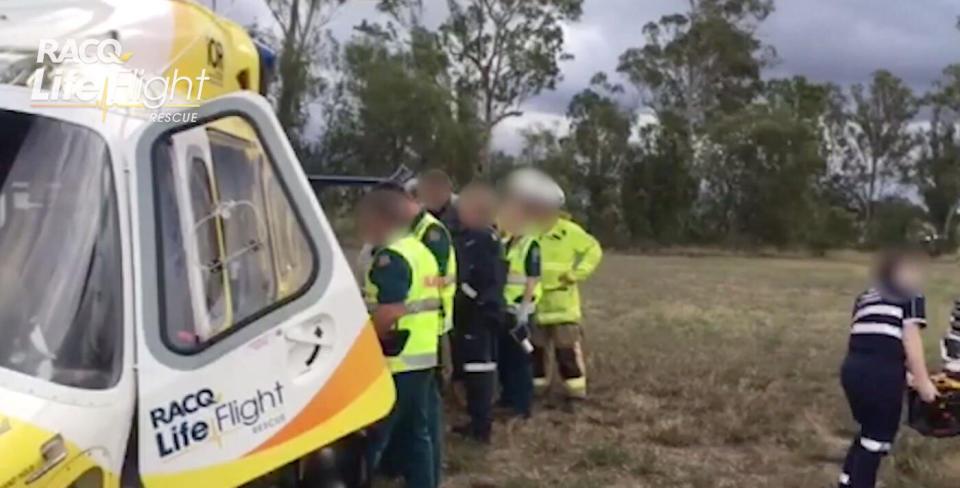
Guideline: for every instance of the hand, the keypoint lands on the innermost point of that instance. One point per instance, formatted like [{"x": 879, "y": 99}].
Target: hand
[
  {"x": 522, "y": 312},
  {"x": 927, "y": 390}
]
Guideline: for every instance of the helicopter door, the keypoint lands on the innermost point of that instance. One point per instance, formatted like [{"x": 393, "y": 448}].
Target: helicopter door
[{"x": 253, "y": 343}]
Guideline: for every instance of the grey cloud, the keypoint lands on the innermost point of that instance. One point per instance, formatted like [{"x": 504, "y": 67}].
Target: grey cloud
[
  {"x": 840, "y": 41},
  {"x": 845, "y": 41}
]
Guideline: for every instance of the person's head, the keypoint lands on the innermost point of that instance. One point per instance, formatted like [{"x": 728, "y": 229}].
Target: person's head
[
  {"x": 407, "y": 203},
  {"x": 901, "y": 267},
  {"x": 534, "y": 199},
  {"x": 434, "y": 189},
  {"x": 477, "y": 206},
  {"x": 544, "y": 214},
  {"x": 381, "y": 214},
  {"x": 513, "y": 214}
]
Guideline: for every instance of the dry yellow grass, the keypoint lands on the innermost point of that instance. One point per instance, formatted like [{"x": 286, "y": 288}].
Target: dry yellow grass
[{"x": 710, "y": 372}]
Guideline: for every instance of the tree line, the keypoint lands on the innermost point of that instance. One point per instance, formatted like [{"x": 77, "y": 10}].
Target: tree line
[{"x": 716, "y": 152}]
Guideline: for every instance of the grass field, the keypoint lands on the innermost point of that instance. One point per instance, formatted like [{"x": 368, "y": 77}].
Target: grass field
[{"x": 711, "y": 372}]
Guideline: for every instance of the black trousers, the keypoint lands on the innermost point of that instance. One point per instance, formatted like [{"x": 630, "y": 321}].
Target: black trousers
[
  {"x": 875, "y": 390},
  {"x": 515, "y": 371},
  {"x": 475, "y": 356}
]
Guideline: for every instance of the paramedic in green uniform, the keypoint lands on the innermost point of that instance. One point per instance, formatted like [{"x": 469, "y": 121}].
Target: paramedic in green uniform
[
  {"x": 406, "y": 312},
  {"x": 432, "y": 233}
]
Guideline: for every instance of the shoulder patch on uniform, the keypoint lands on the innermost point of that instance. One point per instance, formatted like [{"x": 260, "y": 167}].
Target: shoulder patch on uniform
[
  {"x": 433, "y": 235},
  {"x": 383, "y": 260}
]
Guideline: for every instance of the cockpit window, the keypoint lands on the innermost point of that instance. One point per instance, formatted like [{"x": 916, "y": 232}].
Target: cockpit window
[{"x": 61, "y": 291}]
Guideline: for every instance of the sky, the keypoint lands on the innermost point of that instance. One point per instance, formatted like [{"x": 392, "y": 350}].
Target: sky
[{"x": 840, "y": 41}]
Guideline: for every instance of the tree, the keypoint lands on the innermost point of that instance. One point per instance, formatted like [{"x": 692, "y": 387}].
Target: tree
[
  {"x": 762, "y": 184},
  {"x": 302, "y": 44},
  {"x": 600, "y": 137},
  {"x": 704, "y": 62},
  {"x": 399, "y": 109},
  {"x": 545, "y": 149},
  {"x": 502, "y": 52},
  {"x": 657, "y": 190},
  {"x": 898, "y": 221},
  {"x": 829, "y": 222},
  {"x": 936, "y": 172},
  {"x": 695, "y": 68},
  {"x": 870, "y": 142}
]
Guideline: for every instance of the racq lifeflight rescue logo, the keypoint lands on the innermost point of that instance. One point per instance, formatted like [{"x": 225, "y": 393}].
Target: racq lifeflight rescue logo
[
  {"x": 93, "y": 73},
  {"x": 203, "y": 416}
]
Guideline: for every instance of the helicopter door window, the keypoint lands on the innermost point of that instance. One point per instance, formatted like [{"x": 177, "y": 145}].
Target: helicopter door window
[
  {"x": 187, "y": 203},
  {"x": 291, "y": 251},
  {"x": 249, "y": 257},
  {"x": 238, "y": 222}
]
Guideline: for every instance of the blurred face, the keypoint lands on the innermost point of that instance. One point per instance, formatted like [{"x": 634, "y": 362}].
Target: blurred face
[
  {"x": 910, "y": 273},
  {"x": 475, "y": 210},
  {"x": 373, "y": 228},
  {"x": 512, "y": 216},
  {"x": 544, "y": 216},
  {"x": 434, "y": 195},
  {"x": 410, "y": 207}
]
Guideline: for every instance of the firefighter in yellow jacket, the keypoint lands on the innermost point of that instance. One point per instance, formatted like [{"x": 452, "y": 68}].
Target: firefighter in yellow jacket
[{"x": 569, "y": 256}]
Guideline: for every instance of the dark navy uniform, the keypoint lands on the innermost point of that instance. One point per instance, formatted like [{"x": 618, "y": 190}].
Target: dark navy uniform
[
  {"x": 516, "y": 365},
  {"x": 478, "y": 317},
  {"x": 448, "y": 215},
  {"x": 874, "y": 376}
]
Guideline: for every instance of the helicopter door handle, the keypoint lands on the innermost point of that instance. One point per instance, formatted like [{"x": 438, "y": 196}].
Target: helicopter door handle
[
  {"x": 53, "y": 452},
  {"x": 303, "y": 336}
]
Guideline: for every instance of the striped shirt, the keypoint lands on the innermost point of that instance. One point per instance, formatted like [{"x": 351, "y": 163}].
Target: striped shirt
[{"x": 878, "y": 320}]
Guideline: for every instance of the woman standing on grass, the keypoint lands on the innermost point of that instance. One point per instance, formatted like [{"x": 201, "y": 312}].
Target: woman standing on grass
[{"x": 884, "y": 345}]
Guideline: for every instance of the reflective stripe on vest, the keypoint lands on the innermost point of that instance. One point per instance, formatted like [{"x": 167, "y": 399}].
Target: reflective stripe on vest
[
  {"x": 516, "y": 279},
  {"x": 448, "y": 287},
  {"x": 411, "y": 308},
  {"x": 412, "y": 362},
  {"x": 423, "y": 303}
]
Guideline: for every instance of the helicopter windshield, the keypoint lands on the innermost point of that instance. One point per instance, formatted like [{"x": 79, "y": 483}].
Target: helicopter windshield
[{"x": 61, "y": 294}]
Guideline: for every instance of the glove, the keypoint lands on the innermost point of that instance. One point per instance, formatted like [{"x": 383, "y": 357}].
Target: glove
[
  {"x": 523, "y": 312},
  {"x": 394, "y": 342}
]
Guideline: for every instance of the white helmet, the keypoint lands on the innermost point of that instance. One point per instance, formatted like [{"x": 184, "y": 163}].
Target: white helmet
[
  {"x": 557, "y": 197},
  {"x": 535, "y": 186}
]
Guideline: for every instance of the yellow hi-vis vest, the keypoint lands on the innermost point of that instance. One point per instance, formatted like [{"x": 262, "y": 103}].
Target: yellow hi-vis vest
[
  {"x": 449, "y": 286},
  {"x": 423, "y": 317},
  {"x": 566, "y": 249},
  {"x": 516, "y": 258}
]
